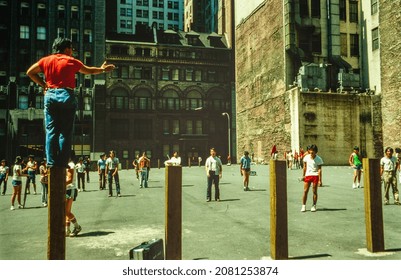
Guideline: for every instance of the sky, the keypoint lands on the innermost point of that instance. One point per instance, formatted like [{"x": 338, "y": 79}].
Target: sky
[{"x": 244, "y": 7}]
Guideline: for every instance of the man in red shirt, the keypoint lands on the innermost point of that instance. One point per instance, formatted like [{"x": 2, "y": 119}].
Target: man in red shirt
[{"x": 60, "y": 105}]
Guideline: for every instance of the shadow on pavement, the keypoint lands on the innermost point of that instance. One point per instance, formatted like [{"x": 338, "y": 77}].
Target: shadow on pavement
[
  {"x": 95, "y": 233},
  {"x": 393, "y": 250},
  {"x": 187, "y": 186},
  {"x": 332, "y": 209},
  {"x": 309, "y": 257},
  {"x": 232, "y": 199}
]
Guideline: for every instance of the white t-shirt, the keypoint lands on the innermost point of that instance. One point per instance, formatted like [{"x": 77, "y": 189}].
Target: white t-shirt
[
  {"x": 312, "y": 165},
  {"x": 17, "y": 177},
  {"x": 72, "y": 167},
  {"x": 213, "y": 164},
  {"x": 388, "y": 164}
]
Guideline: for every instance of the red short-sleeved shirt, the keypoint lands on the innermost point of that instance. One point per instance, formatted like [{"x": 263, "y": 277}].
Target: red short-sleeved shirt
[{"x": 59, "y": 70}]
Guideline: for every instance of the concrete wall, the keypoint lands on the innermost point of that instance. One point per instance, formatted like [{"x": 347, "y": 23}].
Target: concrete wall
[
  {"x": 336, "y": 123},
  {"x": 390, "y": 49}
]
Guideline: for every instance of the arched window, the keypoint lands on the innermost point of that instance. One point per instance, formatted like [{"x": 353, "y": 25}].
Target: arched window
[
  {"x": 119, "y": 99},
  {"x": 171, "y": 100},
  {"x": 143, "y": 100},
  {"x": 194, "y": 100}
]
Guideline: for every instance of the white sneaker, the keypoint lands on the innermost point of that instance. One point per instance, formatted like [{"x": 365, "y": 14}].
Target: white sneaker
[
  {"x": 12, "y": 207},
  {"x": 313, "y": 209},
  {"x": 303, "y": 209},
  {"x": 354, "y": 186},
  {"x": 20, "y": 206}
]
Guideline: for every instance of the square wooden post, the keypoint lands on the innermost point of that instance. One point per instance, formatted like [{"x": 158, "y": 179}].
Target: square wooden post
[{"x": 278, "y": 210}]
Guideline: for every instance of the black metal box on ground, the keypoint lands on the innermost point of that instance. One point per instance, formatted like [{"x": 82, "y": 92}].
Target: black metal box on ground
[{"x": 150, "y": 250}]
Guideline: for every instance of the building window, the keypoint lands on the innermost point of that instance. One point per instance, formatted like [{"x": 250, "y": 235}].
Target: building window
[
  {"x": 24, "y": 10},
  {"x": 61, "y": 11},
  {"x": 165, "y": 74},
  {"x": 23, "y": 101},
  {"x": 39, "y": 103},
  {"x": 74, "y": 12},
  {"x": 343, "y": 11},
  {"x": 119, "y": 129},
  {"x": 175, "y": 74},
  {"x": 24, "y": 32},
  {"x": 198, "y": 127},
  {"x": 60, "y": 32},
  {"x": 375, "y": 39},
  {"x": 124, "y": 72},
  {"x": 344, "y": 44},
  {"x": 198, "y": 75},
  {"x": 88, "y": 58},
  {"x": 315, "y": 6},
  {"x": 119, "y": 99},
  {"x": 316, "y": 43},
  {"x": 170, "y": 100},
  {"x": 194, "y": 100},
  {"x": 74, "y": 35},
  {"x": 303, "y": 8},
  {"x": 189, "y": 127},
  {"x": 88, "y": 14},
  {"x": 374, "y": 6},
  {"x": 143, "y": 73},
  {"x": 143, "y": 100},
  {"x": 189, "y": 74},
  {"x": 41, "y": 33},
  {"x": 129, "y": 12},
  {"x": 211, "y": 76},
  {"x": 166, "y": 127},
  {"x": 176, "y": 127},
  {"x": 41, "y": 12},
  {"x": 39, "y": 54},
  {"x": 166, "y": 150},
  {"x": 354, "y": 44},
  {"x": 353, "y": 11},
  {"x": 87, "y": 36}
]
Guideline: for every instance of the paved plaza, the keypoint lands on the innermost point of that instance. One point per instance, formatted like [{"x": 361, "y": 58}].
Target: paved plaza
[{"x": 236, "y": 228}]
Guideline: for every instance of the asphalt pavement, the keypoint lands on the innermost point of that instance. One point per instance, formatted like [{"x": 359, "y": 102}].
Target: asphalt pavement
[{"x": 236, "y": 228}]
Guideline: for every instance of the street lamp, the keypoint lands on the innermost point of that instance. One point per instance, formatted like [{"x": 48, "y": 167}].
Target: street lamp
[{"x": 229, "y": 137}]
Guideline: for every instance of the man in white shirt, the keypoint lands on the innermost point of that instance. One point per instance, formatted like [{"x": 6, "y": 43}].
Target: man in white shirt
[
  {"x": 174, "y": 160},
  {"x": 112, "y": 171},
  {"x": 214, "y": 171}
]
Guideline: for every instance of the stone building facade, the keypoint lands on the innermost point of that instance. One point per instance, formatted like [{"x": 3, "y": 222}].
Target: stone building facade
[{"x": 165, "y": 95}]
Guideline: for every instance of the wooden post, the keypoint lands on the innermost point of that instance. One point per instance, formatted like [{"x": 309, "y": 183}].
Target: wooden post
[
  {"x": 56, "y": 214},
  {"x": 158, "y": 163},
  {"x": 173, "y": 218},
  {"x": 189, "y": 161},
  {"x": 373, "y": 205},
  {"x": 278, "y": 210}
]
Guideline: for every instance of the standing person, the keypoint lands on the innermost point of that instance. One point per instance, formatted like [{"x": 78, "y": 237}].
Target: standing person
[
  {"x": 356, "y": 163},
  {"x": 135, "y": 163},
  {"x": 31, "y": 167},
  {"x": 398, "y": 156},
  {"x": 312, "y": 171},
  {"x": 388, "y": 168},
  {"x": 290, "y": 159},
  {"x": 17, "y": 183},
  {"x": 245, "y": 169},
  {"x": 112, "y": 171},
  {"x": 87, "y": 163},
  {"x": 214, "y": 172},
  {"x": 144, "y": 166},
  {"x": 80, "y": 168},
  {"x": 101, "y": 170},
  {"x": 174, "y": 160},
  {"x": 4, "y": 171},
  {"x": 44, "y": 181},
  {"x": 60, "y": 103},
  {"x": 70, "y": 197},
  {"x": 274, "y": 152}
]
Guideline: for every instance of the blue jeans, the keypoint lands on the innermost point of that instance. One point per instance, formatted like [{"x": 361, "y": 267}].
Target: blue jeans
[
  {"x": 213, "y": 179},
  {"x": 116, "y": 179},
  {"x": 3, "y": 180},
  {"x": 44, "y": 193},
  {"x": 144, "y": 178},
  {"x": 59, "y": 112}
]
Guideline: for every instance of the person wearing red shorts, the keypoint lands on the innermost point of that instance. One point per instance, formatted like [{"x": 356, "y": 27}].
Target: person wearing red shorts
[{"x": 312, "y": 174}]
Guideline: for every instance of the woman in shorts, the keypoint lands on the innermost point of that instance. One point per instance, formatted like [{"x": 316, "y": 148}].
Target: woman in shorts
[{"x": 17, "y": 183}]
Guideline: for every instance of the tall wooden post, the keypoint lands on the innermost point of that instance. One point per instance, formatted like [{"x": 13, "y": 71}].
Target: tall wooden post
[
  {"x": 173, "y": 218},
  {"x": 56, "y": 214},
  {"x": 278, "y": 210},
  {"x": 373, "y": 205}
]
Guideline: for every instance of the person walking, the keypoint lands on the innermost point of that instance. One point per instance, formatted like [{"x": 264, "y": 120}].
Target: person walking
[
  {"x": 4, "y": 171},
  {"x": 144, "y": 166},
  {"x": 70, "y": 197},
  {"x": 80, "y": 168},
  {"x": 214, "y": 172},
  {"x": 17, "y": 183},
  {"x": 312, "y": 171},
  {"x": 135, "y": 163},
  {"x": 112, "y": 172},
  {"x": 60, "y": 104},
  {"x": 87, "y": 163},
  {"x": 388, "y": 168},
  {"x": 44, "y": 181},
  {"x": 245, "y": 169},
  {"x": 101, "y": 170},
  {"x": 31, "y": 167},
  {"x": 356, "y": 163}
]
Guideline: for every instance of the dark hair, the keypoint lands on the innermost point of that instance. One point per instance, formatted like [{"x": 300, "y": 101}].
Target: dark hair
[
  {"x": 397, "y": 150},
  {"x": 18, "y": 159},
  {"x": 246, "y": 153},
  {"x": 60, "y": 44},
  {"x": 313, "y": 147},
  {"x": 390, "y": 149},
  {"x": 356, "y": 148}
]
